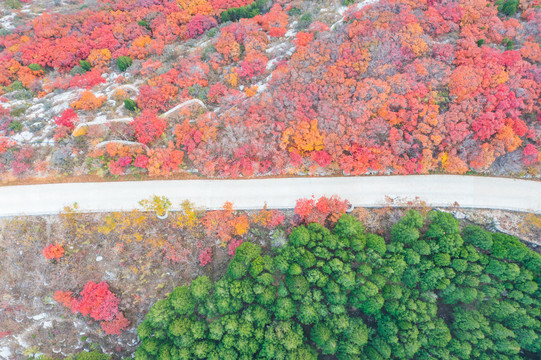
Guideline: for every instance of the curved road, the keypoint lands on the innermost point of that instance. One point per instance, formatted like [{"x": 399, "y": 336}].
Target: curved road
[{"x": 436, "y": 190}]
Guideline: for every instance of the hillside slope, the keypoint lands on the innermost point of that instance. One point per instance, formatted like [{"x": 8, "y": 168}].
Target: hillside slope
[{"x": 389, "y": 86}]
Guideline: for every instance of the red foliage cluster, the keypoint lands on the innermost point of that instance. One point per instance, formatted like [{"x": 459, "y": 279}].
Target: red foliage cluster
[
  {"x": 226, "y": 4},
  {"x": 268, "y": 218},
  {"x": 114, "y": 156},
  {"x": 199, "y": 24},
  {"x": 118, "y": 159},
  {"x": 86, "y": 81},
  {"x": 219, "y": 223},
  {"x": 205, "y": 256},
  {"x": 158, "y": 98},
  {"x": 164, "y": 161},
  {"x": 230, "y": 226},
  {"x": 253, "y": 65},
  {"x": 216, "y": 92},
  {"x": 303, "y": 39},
  {"x": 20, "y": 159},
  {"x": 53, "y": 251},
  {"x": 161, "y": 91},
  {"x": 98, "y": 302},
  {"x": 148, "y": 126},
  {"x": 275, "y": 21},
  {"x": 176, "y": 252},
  {"x": 321, "y": 210},
  {"x": 233, "y": 245},
  {"x": 66, "y": 119},
  {"x": 141, "y": 161},
  {"x": 116, "y": 325},
  {"x": 530, "y": 154},
  {"x": 106, "y": 31},
  {"x": 64, "y": 297},
  {"x": 425, "y": 98}
]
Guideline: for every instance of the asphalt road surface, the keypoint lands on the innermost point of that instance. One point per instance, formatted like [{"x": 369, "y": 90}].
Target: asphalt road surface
[{"x": 367, "y": 191}]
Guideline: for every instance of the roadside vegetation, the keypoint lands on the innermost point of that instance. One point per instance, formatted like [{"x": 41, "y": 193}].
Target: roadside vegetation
[{"x": 91, "y": 280}]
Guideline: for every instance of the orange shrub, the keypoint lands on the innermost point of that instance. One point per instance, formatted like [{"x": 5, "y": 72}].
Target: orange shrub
[
  {"x": 303, "y": 138},
  {"x": 140, "y": 47},
  {"x": 88, "y": 101},
  {"x": 53, "y": 252},
  {"x": 99, "y": 57}
]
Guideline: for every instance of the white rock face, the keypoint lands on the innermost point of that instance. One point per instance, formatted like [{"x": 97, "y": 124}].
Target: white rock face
[
  {"x": 5, "y": 353},
  {"x": 39, "y": 317}
]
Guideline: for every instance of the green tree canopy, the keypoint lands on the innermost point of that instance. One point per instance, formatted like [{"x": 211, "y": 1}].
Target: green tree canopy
[{"x": 432, "y": 290}]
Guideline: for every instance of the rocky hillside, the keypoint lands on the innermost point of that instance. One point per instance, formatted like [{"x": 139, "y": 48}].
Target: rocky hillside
[{"x": 231, "y": 88}]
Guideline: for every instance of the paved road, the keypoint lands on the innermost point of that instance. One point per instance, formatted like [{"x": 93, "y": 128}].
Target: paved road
[{"x": 436, "y": 190}]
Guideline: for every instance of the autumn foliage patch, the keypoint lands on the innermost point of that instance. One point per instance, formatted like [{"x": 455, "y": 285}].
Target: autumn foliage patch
[
  {"x": 148, "y": 126},
  {"x": 98, "y": 302},
  {"x": 398, "y": 87},
  {"x": 53, "y": 251},
  {"x": 321, "y": 210},
  {"x": 66, "y": 119}
]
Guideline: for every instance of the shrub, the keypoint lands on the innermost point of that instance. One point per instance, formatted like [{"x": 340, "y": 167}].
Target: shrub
[
  {"x": 15, "y": 126},
  {"x": 294, "y": 12},
  {"x": 77, "y": 70},
  {"x": 116, "y": 325},
  {"x": 98, "y": 302},
  {"x": 199, "y": 24},
  {"x": 13, "y": 4},
  {"x": 92, "y": 355},
  {"x": 85, "y": 65},
  {"x": 530, "y": 154},
  {"x": 53, "y": 251},
  {"x": 99, "y": 57},
  {"x": 205, "y": 256},
  {"x": 124, "y": 62},
  {"x": 36, "y": 67},
  {"x": 66, "y": 119},
  {"x": 18, "y": 111},
  {"x": 130, "y": 104},
  {"x": 249, "y": 11},
  {"x": 158, "y": 204},
  {"x": 148, "y": 126},
  {"x": 305, "y": 21},
  {"x": 508, "y": 7},
  {"x": 88, "y": 101},
  {"x": 509, "y": 44}
]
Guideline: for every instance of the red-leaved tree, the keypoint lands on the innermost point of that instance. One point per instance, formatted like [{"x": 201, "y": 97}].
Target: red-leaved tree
[
  {"x": 66, "y": 118},
  {"x": 199, "y": 24},
  {"x": 98, "y": 302},
  {"x": 53, "y": 251},
  {"x": 321, "y": 210},
  {"x": 148, "y": 126}
]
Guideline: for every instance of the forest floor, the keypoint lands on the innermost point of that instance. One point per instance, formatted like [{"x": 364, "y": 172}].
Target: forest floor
[{"x": 142, "y": 258}]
